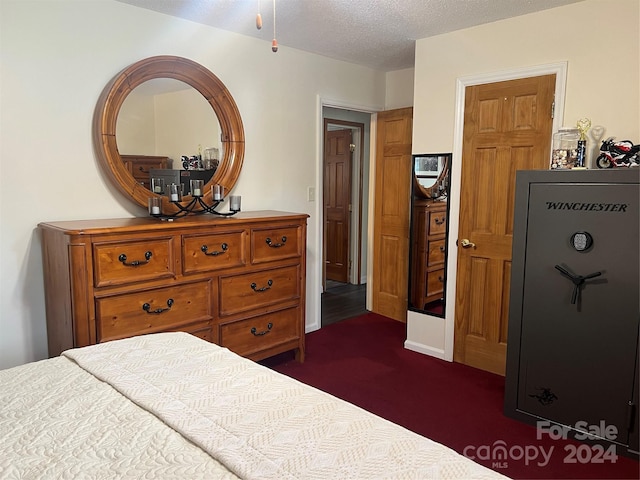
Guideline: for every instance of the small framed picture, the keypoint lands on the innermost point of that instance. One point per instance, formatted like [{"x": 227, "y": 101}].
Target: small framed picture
[{"x": 427, "y": 166}]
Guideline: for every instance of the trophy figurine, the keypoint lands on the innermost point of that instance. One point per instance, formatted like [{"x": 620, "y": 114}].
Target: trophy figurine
[
  {"x": 583, "y": 125},
  {"x": 597, "y": 132}
]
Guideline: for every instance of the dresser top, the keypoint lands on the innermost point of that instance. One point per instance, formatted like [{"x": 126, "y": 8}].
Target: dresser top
[{"x": 99, "y": 226}]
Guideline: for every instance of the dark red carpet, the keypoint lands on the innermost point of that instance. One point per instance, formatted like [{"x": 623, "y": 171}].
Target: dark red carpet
[{"x": 362, "y": 360}]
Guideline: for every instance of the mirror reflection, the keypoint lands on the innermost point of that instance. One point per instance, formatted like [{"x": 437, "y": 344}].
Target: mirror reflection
[
  {"x": 168, "y": 132},
  {"x": 429, "y": 233}
]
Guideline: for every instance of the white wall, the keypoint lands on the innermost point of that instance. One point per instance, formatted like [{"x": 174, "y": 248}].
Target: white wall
[
  {"x": 57, "y": 56},
  {"x": 603, "y": 84},
  {"x": 136, "y": 126},
  {"x": 399, "y": 91}
]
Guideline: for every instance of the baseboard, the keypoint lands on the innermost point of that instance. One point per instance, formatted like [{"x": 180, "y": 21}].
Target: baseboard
[{"x": 425, "y": 349}]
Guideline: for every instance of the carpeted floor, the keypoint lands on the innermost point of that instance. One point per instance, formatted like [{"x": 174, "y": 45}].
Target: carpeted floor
[{"x": 362, "y": 360}]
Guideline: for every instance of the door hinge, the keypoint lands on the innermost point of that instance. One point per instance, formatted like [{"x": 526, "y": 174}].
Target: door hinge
[
  {"x": 553, "y": 109},
  {"x": 631, "y": 410}
]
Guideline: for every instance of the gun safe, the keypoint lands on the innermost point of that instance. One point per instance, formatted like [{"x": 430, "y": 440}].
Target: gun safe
[{"x": 572, "y": 354}]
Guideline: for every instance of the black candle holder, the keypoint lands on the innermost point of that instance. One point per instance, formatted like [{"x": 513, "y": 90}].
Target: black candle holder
[{"x": 196, "y": 206}]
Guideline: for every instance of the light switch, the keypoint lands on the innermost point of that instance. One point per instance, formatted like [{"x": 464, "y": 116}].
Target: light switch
[{"x": 311, "y": 194}]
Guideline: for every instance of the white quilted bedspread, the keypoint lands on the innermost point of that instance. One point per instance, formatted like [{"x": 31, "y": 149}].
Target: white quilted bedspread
[
  {"x": 258, "y": 423},
  {"x": 58, "y": 422}
]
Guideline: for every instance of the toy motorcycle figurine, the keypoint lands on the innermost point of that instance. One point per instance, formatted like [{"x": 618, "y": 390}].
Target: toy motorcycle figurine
[{"x": 618, "y": 154}]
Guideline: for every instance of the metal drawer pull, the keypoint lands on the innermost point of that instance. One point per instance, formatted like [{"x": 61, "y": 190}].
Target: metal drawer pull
[
  {"x": 442, "y": 248},
  {"x": 255, "y": 288},
  {"x": 256, "y": 333},
  {"x": 439, "y": 221},
  {"x": 135, "y": 263},
  {"x": 147, "y": 308},
  {"x": 215, "y": 253},
  {"x": 441, "y": 278},
  {"x": 276, "y": 245}
]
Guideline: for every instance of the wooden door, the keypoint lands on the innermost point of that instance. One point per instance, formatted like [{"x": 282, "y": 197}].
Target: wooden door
[
  {"x": 392, "y": 207},
  {"x": 507, "y": 127},
  {"x": 337, "y": 200}
]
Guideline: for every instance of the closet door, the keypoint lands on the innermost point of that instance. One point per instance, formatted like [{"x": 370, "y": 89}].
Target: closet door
[{"x": 392, "y": 209}]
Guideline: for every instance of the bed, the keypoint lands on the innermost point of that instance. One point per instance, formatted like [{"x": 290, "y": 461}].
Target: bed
[{"x": 171, "y": 405}]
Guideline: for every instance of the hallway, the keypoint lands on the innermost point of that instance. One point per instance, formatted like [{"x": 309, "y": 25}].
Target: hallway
[{"x": 341, "y": 301}]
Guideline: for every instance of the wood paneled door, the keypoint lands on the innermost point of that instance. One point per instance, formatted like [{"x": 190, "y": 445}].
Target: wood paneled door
[
  {"x": 392, "y": 209},
  {"x": 337, "y": 203},
  {"x": 507, "y": 127}
]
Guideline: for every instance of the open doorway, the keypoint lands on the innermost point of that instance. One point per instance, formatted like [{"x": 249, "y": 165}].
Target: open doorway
[{"x": 345, "y": 195}]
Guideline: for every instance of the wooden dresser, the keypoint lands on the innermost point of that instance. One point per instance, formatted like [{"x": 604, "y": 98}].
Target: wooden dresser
[
  {"x": 236, "y": 281},
  {"x": 139, "y": 166},
  {"x": 429, "y": 225}
]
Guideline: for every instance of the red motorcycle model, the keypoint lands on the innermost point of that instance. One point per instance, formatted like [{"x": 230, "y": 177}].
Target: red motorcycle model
[{"x": 618, "y": 154}]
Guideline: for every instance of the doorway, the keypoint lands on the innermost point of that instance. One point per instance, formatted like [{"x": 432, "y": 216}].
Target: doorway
[{"x": 344, "y": 197}]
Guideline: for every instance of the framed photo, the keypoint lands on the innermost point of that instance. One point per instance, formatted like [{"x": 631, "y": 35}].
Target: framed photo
[
  {"x": 427, "y": 169},
  {"x": 428, "y": 166}
]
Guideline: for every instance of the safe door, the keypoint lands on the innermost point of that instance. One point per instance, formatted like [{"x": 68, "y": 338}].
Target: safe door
[{"x": 579, "y": 311}]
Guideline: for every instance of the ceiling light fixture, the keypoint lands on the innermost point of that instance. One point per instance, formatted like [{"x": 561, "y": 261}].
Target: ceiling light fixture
[
  {"x": 259, "y": 18},
  {"x": 274, "y": 42}
]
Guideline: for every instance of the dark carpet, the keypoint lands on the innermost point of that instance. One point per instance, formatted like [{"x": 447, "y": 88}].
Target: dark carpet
[{"x": 362, "y": 360}]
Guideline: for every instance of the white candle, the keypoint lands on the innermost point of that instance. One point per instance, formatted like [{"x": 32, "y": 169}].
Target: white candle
[
  {"x": 217, "y": 192},
  {"x": 155, "y": 205},
  {"x": 234, "y": 203},
  {"x": 174, "y": 197},
  {"x": 197, "y": 192}
]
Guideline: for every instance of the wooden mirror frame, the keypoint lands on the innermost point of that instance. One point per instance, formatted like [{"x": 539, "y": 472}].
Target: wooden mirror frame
[{"x": 191, "y": 73}]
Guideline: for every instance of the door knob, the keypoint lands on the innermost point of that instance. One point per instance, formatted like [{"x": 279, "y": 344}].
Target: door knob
[{"x": 467, "y": 244}]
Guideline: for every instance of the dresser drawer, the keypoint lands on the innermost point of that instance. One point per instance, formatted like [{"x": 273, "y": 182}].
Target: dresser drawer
[
  {"x": 203, "y": 253},
  {"x": 140, "y": 166},
  {"x": 248, "y": 336},
  {"x": 437, "y": 223},
  {"x": 200, "y": 331},
  {"x": 435, "y": 255},
  {"x": 117, "y": 263},
  {"x": 435, "y": 282},
  {"x": 151, "y": 311},
  {"x": 248, "y": 291},
  {"x": 275, "y": 243}
]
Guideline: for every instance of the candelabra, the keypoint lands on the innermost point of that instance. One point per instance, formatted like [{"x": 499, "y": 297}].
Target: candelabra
[{"x": 196, "y": 206}]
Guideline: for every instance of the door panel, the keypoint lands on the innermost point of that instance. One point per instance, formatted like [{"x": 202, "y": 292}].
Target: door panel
[
  {"x": 336, "y": 197},
  {"x": 507, "y": 128},
  {"x": 392, "y": 211}
]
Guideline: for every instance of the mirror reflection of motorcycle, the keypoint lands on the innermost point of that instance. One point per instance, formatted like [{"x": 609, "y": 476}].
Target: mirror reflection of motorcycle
[{"x": 618, "y": 154}]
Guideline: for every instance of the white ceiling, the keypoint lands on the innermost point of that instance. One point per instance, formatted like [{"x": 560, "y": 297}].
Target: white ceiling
[{"x": 379, "y": 34}]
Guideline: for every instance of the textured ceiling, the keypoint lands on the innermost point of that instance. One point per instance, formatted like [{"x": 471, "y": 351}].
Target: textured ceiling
[{"x": 379, "y": 34}]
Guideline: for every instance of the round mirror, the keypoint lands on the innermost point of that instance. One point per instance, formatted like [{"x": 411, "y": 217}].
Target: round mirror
[{"x": 136, "y": 117}]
